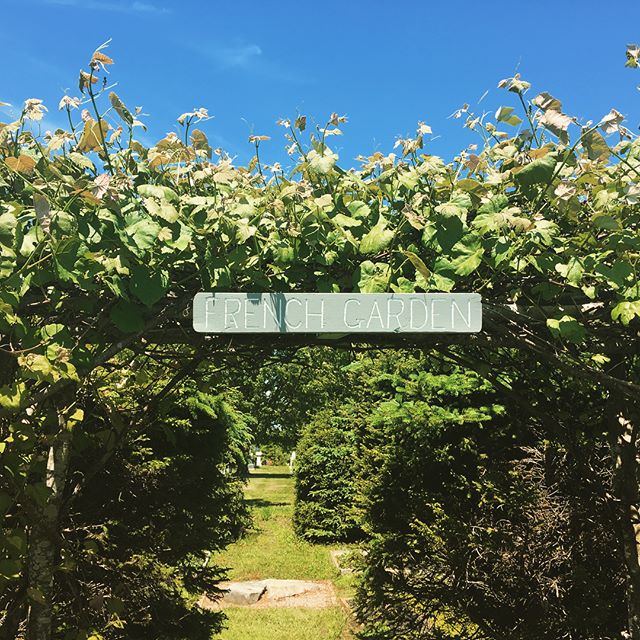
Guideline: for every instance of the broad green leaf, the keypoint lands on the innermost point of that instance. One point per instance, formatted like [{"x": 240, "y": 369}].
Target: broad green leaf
[
  {"x": 12, "y": 396},
  {"x": 81, "y": 161},
  {"x": 444, "y": 234},
  {"x": 31, "y": 240},
  {"x": 404, "y": 285},
  {"x": 595, "y": 145},
  {"x": 626, "y": 311},
  {"x": 469, "y": 258},
  {"x": 8, "y": 223},
  {"x": 377, "y": 238},
  {"x": 144, "y": 233},
  {"x": 373, "y": 277},
  {"x": 605, "y": 221},
  {"x": 37, "y": 367},
  {"x": 572, "y": 271},
  {"x": 127, "y": 316},
  {"x": 158, "y": 191},
  {"x": 147, "y": 286},
  {"x": 466, "y": 264},
  {"x": 457, "y": 206},
  {"x": 359, "y": 209},
  {"x": 567, "y": 328},
  {"x": 494, "y": 204},
  {"x": 538, "y": 171},
  {"x": 322, "y": 162},
  {"x": 345, "y": 221},
  {"x": 618, "y": 274},
  {"x": 504, "y": 114},
  {"x": 162, "y": 209},
  {"x": 441, "y": 276}
]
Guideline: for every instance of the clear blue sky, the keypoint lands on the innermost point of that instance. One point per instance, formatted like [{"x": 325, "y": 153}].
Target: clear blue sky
[{"x": 385, "y": 64}]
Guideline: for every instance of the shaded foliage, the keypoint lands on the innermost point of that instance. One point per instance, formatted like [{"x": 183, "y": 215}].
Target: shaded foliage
[{"x": 483, "y": 525}]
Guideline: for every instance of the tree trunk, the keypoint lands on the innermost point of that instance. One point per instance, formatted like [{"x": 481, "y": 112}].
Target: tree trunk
[
  {"x": 44, "y": 537},
  {"x": 624, "y": 443}
]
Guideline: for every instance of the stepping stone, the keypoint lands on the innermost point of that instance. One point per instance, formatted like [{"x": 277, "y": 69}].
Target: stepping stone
[
  {"x": 243, "y": 593},
  {"x": 282, "y": 589},
  {"x": 273, "y": 593}
]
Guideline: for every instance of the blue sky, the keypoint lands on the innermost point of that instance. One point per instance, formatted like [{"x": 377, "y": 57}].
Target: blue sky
[{"x": 385, "y": 64}]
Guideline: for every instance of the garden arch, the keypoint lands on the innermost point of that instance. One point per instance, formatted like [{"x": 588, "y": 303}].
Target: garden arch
[{"x": 104, "y": 243}]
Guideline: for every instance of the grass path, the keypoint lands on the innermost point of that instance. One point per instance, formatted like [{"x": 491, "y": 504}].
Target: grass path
[{"x": 273, "y": 551}]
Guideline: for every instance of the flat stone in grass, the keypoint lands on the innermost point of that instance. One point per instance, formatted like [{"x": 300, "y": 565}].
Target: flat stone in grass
[
  {"x": 283, "y": 589},
  {"x": 242, "y": 593},
  {"x": 274, "y": 593}
]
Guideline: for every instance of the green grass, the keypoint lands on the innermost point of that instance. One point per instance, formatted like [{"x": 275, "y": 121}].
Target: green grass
[
  {"x": 284, "y": 624},
  {"x": 273, "y": 551}
]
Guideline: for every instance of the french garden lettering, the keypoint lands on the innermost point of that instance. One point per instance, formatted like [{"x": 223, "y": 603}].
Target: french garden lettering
[{"x": 337, "y": 313}]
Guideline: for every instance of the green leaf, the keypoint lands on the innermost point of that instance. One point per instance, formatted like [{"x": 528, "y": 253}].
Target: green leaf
[
  {"x": 373, "y": 277},
  {"x": 127, "y": 316},
  {"x": 345, "y": 221},
  {"x": 538, "y": 171},
  {"x": 147, "y": 286},
  {"x": 626, "y": 311},
  {"x": 457, "y": 206},
  {"x": 11, "y": 396},
  {"x": 119, "y": 106},
  {"x": 10, "y": 569},
  {"x": 616, "y": 275},
  {"x": 572, "y": 271},
  {"x": 37, "y": 367},
  {"x": 503, "y": 114},
  {"x": 359, "y": 209},
  {"x": 419, "y": 265},
  {"x": 404, "y": 285},
  {"x": 495, "y": 203},
  {"x": 567, "y": 328},
  {"x": 469, "y": 258},
  {"x": 8, "y": 223},
  {"x": 441, "y": 275},
  {"x": 377, "y": 238},
  {"x": 324, "y": 162},
  {"x": 81, "y": 161},
  {"x": 595, "y": 145},
  {"x": 604, "y": 221},
  {"x": 158, "y": 191},
  {"x": 162, "y": 209},
  {"x": 144, "y": 233}
]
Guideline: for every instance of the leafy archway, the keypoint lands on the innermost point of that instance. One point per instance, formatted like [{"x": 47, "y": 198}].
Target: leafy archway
[{"x": 104, "y": 242}]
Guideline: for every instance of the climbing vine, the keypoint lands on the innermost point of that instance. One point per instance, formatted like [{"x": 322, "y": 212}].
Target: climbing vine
[{"x": 104, "y": 241}]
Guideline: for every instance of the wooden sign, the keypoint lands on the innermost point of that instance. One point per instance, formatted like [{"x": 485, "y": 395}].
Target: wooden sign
[{"x": 337, "y": 312}]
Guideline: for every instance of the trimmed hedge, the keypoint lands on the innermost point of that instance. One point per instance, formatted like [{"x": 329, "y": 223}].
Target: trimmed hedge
[{"x": 325, "y": 478}]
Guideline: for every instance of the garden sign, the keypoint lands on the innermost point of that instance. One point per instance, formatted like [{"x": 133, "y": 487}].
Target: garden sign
[{"x": 337, "y": 312}]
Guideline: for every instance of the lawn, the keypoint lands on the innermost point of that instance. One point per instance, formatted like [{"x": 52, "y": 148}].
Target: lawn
[
  {"x": 285, "y": 624},
  {"x": 273, "y": 551}
]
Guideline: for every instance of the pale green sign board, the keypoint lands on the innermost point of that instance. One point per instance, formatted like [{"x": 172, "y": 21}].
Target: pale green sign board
[{"x": 337, "y": 312}]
